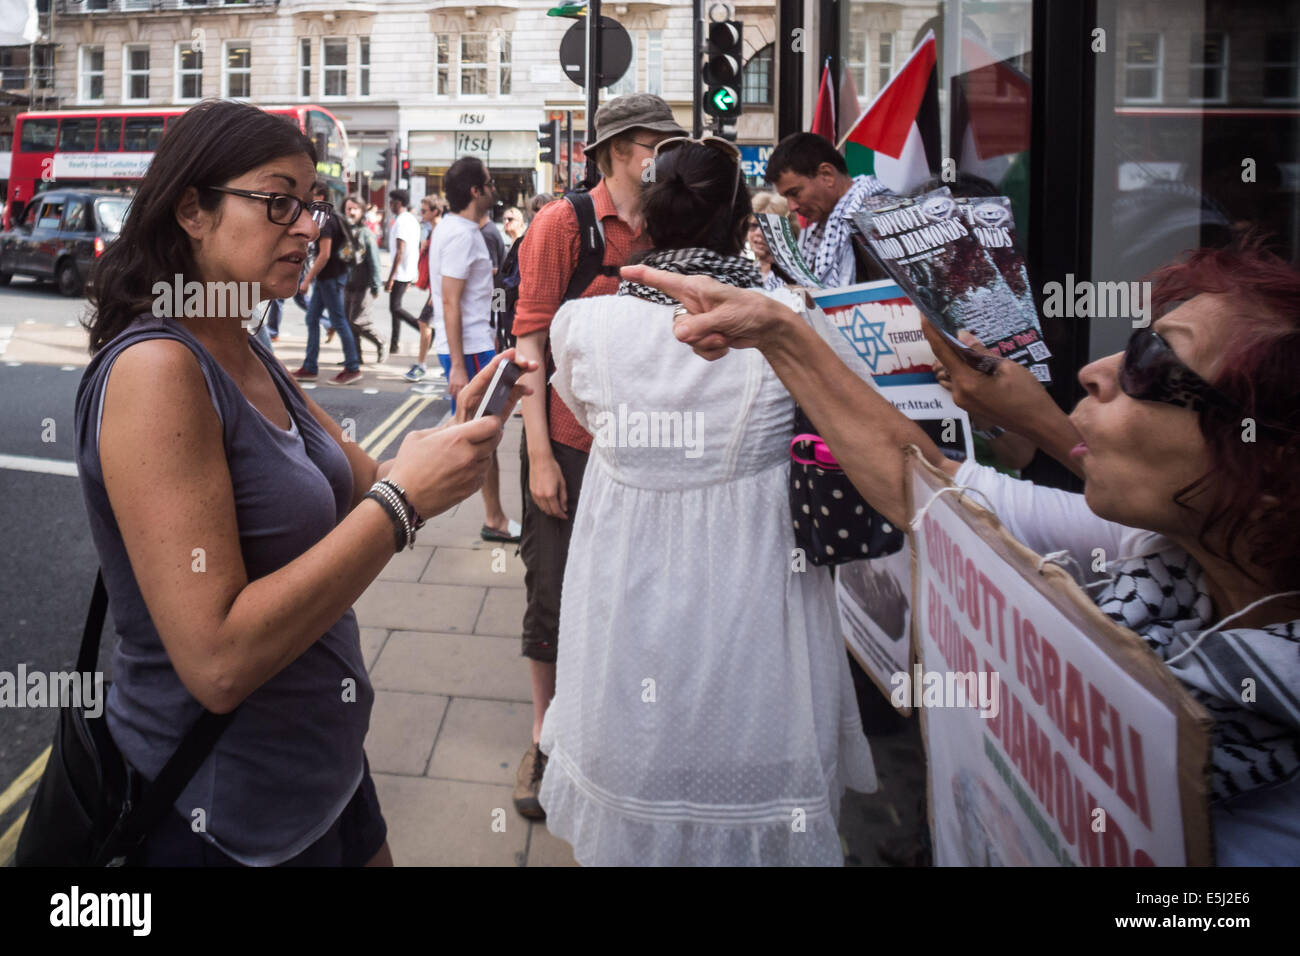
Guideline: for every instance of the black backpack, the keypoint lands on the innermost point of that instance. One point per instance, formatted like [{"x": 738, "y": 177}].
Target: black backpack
[
  {"x": 343, "y": 250},
  {"x": 591, "y": 263}
]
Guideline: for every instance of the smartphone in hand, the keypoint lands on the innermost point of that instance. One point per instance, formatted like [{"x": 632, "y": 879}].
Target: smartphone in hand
[{"x": 498, "y": 390}]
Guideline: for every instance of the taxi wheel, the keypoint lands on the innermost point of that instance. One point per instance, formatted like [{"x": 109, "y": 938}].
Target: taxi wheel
[
  {"x": 5, "y": 277},
  {"x": 66, "y": 278}
]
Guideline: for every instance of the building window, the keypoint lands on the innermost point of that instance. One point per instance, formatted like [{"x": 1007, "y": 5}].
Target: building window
[
  {"x": 756, "y": 78},
  {"x": 473, "y": 64},
  {"x": 14, "y": 64},
  {"x": 857, "y": 58},
  {"x": 442, "y": 64},
  {"x": 1282, "y": 67},
  {"x": 135, "y": 74},
  {"x": 92, "y": 74},
  {"x": 334, "y": 57},
  {"x": 627, "y": 82},
  {"x": 1143, "y": 63},
  {"x": 189, "y": 73},
  {"x": 505, "y": 64},
  {"x": 238, "y": 69},
  {"x": 654, "y": 62},
  {"x": 304, "y": 68},
  {"x": 363, "y": 66},
  {"x": 886, "y": 59},
  {"x": 1208, "y": 68}
]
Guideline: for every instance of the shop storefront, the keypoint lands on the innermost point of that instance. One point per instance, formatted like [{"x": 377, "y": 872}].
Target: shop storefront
[{"x": 505, "y": 140}]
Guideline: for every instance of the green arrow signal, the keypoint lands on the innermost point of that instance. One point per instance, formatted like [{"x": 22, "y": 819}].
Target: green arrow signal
[{"x": 724, "y": 99}]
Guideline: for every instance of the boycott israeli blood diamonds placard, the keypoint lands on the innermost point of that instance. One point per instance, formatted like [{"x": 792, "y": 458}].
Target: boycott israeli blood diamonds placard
[
  {"x": 958, "y": 263},
  {"x": 1053, "y": 736}
]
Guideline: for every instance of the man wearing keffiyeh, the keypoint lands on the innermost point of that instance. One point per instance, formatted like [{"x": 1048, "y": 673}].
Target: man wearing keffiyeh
[{"x": 813, "y": 177}]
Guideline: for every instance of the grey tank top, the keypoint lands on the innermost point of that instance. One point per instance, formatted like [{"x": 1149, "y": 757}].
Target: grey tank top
[{"x": 290, "y": 760}]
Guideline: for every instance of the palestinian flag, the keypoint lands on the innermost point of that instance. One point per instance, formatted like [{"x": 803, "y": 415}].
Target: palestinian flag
[{"x": 897, "y": 137}]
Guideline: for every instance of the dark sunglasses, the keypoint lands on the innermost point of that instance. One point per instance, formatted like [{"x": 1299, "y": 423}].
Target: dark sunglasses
[
  {"x": 283, "y": 209},
  {"x": 1152, "y": 372}
]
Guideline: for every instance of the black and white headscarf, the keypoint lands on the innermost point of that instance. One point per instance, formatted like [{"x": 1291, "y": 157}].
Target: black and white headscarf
[
  {"x": 823, "y": 245},
  {"x": 1254, "y": 742},
  {"x": 732, "y": 270}
]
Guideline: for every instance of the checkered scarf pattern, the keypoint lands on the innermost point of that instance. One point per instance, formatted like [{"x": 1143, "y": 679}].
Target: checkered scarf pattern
[
  {"x": 822, "y": 245},
  {"x": 1164, "y": 598}
]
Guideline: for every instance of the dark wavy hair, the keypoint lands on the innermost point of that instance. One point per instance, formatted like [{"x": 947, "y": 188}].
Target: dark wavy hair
[
  {"x": 465, "y": 174},
  {"x": 689, "y": 202},
  {"x": 210, "y": 144},
  {"x": 1254, "y": 482}
]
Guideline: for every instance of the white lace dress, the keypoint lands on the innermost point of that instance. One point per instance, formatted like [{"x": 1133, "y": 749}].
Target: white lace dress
[{"x": 704, "y": 713}]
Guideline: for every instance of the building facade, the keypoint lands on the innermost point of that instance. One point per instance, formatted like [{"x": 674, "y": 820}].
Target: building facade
[{"x": 435, "y": 81}]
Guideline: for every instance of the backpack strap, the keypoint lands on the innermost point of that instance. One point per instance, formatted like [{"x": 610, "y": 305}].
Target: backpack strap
[{"x": 591, "y": 252}]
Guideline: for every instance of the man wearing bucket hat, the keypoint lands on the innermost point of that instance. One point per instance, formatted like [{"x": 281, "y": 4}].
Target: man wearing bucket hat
[{"x": 571, "y": 249}]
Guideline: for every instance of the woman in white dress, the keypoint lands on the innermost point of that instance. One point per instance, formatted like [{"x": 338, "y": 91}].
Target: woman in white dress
[{"x": 704, "y": 713}]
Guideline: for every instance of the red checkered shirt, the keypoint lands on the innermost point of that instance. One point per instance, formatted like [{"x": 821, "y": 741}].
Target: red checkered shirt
[{"x": 547, "y": 262}]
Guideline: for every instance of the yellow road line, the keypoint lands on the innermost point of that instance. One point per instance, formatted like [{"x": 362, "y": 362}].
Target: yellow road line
[
  {"x": 400, "y": 427},
  {"x": 14, "y": 792},
  {"x": 9, "y": 842},
  {"x": 380, "y": 429}
]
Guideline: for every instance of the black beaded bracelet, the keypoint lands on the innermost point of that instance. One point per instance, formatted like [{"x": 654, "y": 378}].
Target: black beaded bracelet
[{"x": 399, "y": 529}]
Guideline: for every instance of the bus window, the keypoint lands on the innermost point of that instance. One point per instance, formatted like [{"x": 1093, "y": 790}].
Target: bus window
[
  {"x": 38, "y": 135},
  {"x": 110, "y": 134},
  {"x": 142, "y": 133},
  {"x": 77, "y": 136}
]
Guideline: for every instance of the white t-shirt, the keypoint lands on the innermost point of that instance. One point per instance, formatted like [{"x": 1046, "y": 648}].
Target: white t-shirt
[
  {"x": 457, "y": 250},
  {"x": 407, "y": 228}
]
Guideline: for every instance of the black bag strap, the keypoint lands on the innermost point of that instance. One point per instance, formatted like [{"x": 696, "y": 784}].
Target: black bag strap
[
  {"x": 180, "y": 768},
  {"x": 591, "y": 250}
]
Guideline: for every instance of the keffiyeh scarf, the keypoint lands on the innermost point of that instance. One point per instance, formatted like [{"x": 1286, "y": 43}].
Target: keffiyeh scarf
[
  {"x": 823, "y": 244},
  {"x": 1247, "y": 678},
  {"x": 733, "y": 270}
]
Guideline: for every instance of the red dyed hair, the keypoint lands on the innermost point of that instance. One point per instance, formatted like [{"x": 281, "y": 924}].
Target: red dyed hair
[{"x": 1254, "y": 488}]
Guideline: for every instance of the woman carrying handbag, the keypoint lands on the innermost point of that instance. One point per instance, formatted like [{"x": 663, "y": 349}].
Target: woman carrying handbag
[{"x": 234, "y": 523}]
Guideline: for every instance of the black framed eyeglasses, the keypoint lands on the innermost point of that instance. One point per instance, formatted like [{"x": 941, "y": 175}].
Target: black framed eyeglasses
[
  {"x": 1152, "y": 372},
  {"x": 283, "y": 209},
  {"x": 724, "y": 146}
]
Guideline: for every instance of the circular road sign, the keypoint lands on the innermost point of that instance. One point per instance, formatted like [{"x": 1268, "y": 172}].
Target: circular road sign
[{"x": 615, "y": 52}]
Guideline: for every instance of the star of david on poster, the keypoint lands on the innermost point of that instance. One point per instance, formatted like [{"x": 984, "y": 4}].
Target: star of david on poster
[{"x": 869, "y": 338}]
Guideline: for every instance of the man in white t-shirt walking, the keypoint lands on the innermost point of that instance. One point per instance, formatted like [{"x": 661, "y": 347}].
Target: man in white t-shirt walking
[
  {"x": 460, "y": 279},
  {"x": 404, "y": 252}
]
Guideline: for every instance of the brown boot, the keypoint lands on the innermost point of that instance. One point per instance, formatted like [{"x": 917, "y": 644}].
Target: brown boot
[{"x": 527, "y": 782}]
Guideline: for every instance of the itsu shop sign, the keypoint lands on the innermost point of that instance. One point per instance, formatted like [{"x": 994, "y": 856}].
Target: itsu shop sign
[
  {"x": 471, "y": 138},
  {"x": 1093, "y": 754}
]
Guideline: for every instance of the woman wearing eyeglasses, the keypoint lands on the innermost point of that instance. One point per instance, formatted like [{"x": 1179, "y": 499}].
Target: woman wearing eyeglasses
[
  {"x": 235, "y": 525},
  {"x": 704, "y": 713},
  {"x": 1189, "y": 446}
]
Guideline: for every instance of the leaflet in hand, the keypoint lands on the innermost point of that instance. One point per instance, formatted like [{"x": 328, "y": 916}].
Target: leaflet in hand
[
  {"x": 786, "y": 259},
  {"x": 952, "y": 259}
]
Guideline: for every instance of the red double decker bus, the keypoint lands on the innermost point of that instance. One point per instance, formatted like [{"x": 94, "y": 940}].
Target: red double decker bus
[{"x": 112, "y": 148}]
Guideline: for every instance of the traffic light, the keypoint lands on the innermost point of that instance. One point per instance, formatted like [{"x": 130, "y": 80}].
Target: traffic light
[
  {"x": 384, "y": 168},
  {"x": 406, "y": 169},
  {"x": 725, "y": 54},
  {"x": 548, "y": 138}
]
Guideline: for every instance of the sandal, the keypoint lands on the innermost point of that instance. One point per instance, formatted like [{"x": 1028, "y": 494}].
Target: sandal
[{"x": 506, "y": 537}]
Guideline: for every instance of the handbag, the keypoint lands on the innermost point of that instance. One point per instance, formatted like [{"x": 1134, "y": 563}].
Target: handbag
[
  {"x": 91, "y": 807},
  {"x": 833, "y": 524}
]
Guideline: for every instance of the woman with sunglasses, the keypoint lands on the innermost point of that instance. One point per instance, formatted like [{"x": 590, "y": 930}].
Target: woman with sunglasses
[
  {"x": 1189, "y": 446},
  {"x": 234, "y": 522},
  {"x": 704, "y": 713}
]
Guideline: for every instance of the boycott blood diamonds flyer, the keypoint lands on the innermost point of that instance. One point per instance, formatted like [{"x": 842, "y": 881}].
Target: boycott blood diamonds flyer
[{"x": 957, "y": 261}]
